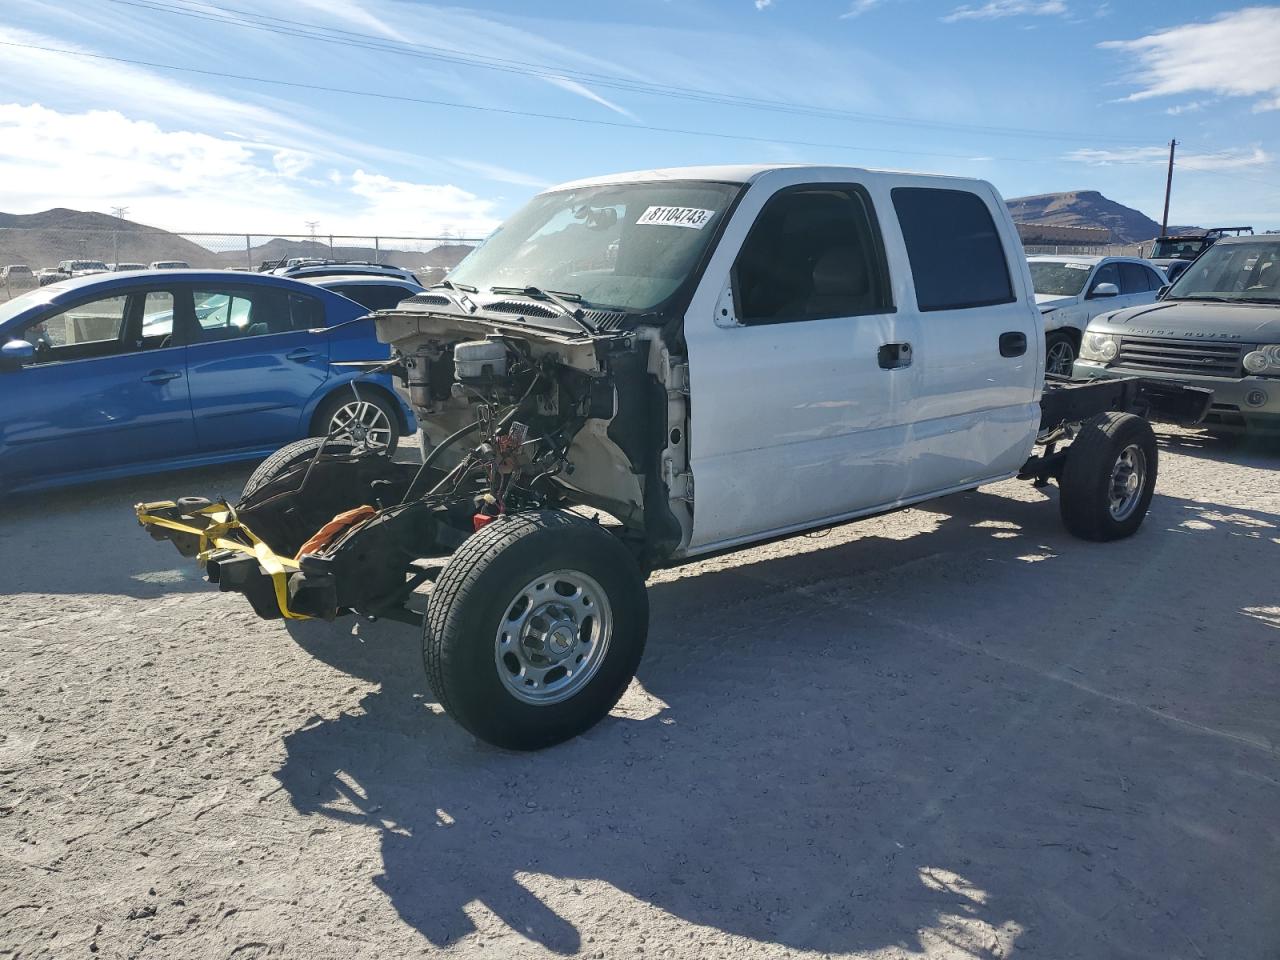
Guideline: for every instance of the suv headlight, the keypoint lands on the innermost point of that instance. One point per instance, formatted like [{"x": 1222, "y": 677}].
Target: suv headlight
[
  {"x": 1099, "y": 346},
  {"x": 1264, "y": 360}
]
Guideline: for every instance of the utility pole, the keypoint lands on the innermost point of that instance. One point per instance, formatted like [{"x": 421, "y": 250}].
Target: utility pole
[
  {"x": 1168, "y": 188},
  {"x": 118, "y": 213}
]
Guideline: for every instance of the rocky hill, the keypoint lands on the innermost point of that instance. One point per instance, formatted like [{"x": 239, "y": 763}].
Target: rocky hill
[
  {"x": 1087, "y": 208},
  {"x": 42, "y": 239}
]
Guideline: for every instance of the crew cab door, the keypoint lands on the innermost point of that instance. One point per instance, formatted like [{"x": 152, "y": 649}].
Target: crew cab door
[
  {"x": 254, "y": 367},
  {"x": 793, "y": 386},
  {"x": 971, "y": 395}
]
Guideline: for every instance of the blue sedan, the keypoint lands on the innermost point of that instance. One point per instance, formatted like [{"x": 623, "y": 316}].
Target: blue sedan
[{"x": 118, "y": 374}]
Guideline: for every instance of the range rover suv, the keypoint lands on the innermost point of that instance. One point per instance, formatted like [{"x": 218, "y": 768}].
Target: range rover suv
[{"x": 1217, "y": 326}]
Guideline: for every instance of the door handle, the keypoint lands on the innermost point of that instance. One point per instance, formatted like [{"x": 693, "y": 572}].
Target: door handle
[
  {"x": 161, "y": 376},
  {"x": 894, "y": 356},
  {"x": 301, "y": 355},
  {"x": 1013, "y": 343}
]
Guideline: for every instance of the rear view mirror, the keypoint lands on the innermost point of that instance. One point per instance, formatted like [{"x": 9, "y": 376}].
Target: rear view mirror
[
  {"x": 16, "y": 353},
  {"x": 1105, "y": 290},
  {"x": 1162, "y": 291}
]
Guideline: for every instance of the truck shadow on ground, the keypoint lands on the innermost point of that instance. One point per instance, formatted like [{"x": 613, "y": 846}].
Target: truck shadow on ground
[{"x": 829, "y": 759}]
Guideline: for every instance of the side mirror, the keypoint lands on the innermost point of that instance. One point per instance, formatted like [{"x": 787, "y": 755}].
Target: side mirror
[
  {"x": 1104, "y": 290},
  {"x": 15, "y": 354},
  {"x": 1162, "y": 291}
]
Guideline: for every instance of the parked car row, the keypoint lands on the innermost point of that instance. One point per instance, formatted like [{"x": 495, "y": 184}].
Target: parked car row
[{"x": 113, "y": 374}]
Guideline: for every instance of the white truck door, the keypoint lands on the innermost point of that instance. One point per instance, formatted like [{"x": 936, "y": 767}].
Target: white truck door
[
  {"x": 977, "y": 339},
  {"x": 793, "y": 419}
]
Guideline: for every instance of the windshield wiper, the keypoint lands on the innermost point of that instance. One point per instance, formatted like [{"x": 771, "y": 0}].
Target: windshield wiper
[
  {"x": 450, "y": 285},
  {"x": 1208, "y": 297},
  {"x": 460, "y": 290},
  {"x": 558, "y": 298}
]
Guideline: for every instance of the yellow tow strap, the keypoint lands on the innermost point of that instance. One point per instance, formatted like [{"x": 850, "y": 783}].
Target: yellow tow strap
[{"x": 216, "y": 535}]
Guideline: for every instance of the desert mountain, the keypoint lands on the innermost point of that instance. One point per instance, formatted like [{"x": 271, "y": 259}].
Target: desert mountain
[
  {"x": 1087, "y": 208},
  {"x": 42, "y": 239}
]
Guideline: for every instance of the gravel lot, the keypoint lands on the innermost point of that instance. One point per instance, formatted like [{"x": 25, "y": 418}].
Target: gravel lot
[{"x": 950, "y": 732}]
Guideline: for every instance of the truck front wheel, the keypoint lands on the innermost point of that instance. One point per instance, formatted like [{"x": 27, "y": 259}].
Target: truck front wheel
[
  {"x": 535, "y": 628},
  {"x": 1108, "y": 477}
]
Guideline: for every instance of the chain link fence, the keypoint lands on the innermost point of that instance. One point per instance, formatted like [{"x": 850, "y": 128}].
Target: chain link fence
[
  {"x": 1088, "y": 250},
  {"x": 131, "y": 247}
]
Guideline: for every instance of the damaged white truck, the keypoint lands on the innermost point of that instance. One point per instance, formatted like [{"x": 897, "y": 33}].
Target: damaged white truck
[{"x": 638, "y": 370}]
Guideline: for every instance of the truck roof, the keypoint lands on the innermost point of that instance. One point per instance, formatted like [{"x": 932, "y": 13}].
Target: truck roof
[{"x": 743, "y": 173}]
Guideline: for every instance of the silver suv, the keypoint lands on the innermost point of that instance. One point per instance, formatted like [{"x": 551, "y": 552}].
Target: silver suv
[
  {"x": 1218, "y": 326},
  {"x": 16, "y": 279}
]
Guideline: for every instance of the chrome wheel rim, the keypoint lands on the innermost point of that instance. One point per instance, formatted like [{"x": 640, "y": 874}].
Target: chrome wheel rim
[
  {"x": 553, "y": 637},
  {"x": 360, "y": 422},
  {"x": 1061, "y": 358},
  {"x": 1128, "y": 477}
]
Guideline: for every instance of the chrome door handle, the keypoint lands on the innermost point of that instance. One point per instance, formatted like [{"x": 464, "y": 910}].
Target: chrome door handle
[
  {"x": 161, "y": 376},
  {"x": 301, "y": 355}
]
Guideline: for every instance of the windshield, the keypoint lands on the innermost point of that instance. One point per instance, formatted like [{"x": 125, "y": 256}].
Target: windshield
[
  {"x": 1232, "y": 271},
  {"x": 88, "y": 265},
  {"x": 1059, "y": 278},
  {"x": 1178, "y": 248},
  {"x": 621, "y": 246}
]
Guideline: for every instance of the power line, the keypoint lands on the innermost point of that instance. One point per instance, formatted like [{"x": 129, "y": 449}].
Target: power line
[
  {"x": 310, "y": 31},
  {"x": 613, "y": 124},
  {"x": 505, "y": 111}
]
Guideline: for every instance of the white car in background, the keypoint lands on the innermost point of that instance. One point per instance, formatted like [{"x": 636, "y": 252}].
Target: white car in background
[
  {"x": 170, "y": 265},
  {"x": 1071, "y": 291}
]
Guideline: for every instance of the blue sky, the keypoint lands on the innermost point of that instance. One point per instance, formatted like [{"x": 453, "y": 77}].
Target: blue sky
[{"x": 1034, "y": 95}]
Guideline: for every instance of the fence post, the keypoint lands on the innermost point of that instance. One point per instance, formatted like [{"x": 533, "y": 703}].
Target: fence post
[
  {"x": 248, "y": 252},
  {"x": 377, "y": 251}
]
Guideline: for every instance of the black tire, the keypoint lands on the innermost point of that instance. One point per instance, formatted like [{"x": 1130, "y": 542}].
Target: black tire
[
  {"x": 1090, "y": 473},
  {"x": 290, "y": 455},
  {"x": 1057, "y": 344},
  {"x": 477, "y": 590},
  {"x": 321, "y": 423}
]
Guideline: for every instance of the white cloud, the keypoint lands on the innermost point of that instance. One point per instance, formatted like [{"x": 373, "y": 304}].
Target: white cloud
[
  {"x": 574, "y": 87},
  {"x": 996, "y": 9},
  {"x": 763, "y": 4},
  {"x": 858, "y": 7},
  {"x": 197, "y": 181},
  {"x": 422, "y": 208},
  {"x": 499, "y": 174},
  {"x": 1235, "y": 54},
  {"x": 1240, "y": 158}
]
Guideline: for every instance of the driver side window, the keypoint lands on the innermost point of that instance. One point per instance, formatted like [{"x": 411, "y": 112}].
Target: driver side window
[
  {"x": 814, "y": 252},
  {"x": 93, "y": 329},
  {"x": 1107, "y": 273}
]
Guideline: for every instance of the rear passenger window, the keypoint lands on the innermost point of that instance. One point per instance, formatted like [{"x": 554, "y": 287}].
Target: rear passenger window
[
  {"x": 957, "y": 259},
  {"x": 306, "y": 313},
  {"x": 1133, "y": 278},
  {"x": 813, "y": 252},
  {"x": 234, "y": 313}
]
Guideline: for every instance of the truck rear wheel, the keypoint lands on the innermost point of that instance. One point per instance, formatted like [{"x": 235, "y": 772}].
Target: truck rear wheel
[
  {"x": 535, "y": 628},
  {"x": 1108, "y": 477}
]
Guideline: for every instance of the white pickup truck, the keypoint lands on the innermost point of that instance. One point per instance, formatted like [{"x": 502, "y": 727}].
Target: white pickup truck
[{"x": 641, "y": 369}]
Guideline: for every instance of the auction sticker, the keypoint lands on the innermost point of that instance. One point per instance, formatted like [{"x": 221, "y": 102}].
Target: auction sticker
[{"x": 676, "y": 217}]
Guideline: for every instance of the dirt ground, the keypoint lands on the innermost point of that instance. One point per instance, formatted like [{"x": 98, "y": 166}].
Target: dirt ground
[{"x": 950, "y": 732}]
